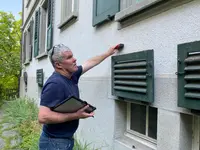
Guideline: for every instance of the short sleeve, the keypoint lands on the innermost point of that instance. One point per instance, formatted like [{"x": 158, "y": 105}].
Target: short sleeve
[
  {"x": 77, "y": 74},
  {"x": 52, "y": 94}
]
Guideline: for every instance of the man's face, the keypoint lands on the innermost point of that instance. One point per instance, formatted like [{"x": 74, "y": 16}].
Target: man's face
[{"x": 68, "y": 62}]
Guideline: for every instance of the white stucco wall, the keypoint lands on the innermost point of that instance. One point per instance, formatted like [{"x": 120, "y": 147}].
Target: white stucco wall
[{"x": 162, "y": 33}]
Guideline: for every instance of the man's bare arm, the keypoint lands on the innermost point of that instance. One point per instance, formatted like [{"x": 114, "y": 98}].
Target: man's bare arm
[
  {"x": 47, "y": 116},
  {"x": 97, "y": 60}
]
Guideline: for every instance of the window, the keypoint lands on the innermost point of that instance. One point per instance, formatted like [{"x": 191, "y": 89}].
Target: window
[
  {"x": 142, "y": 121},
  {"x": 28, "y": 40},
  {"x": 69, "y": 11},
  {"x": 129, "y": 7},
  {"x": 132, "y": 11},
  {"x": 188, "y": 62},
  {"x": 43, "y": 29},
  {"x": 104, "y": 10}
]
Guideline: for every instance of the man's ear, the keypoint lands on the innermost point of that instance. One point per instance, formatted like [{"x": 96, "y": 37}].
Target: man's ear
[{"x": 57, "y": 65}]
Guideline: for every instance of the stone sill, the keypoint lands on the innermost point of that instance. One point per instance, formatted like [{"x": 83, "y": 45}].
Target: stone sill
[
  {"x": 27, "y": 63},
  {"x": 42, "y": 55},
  {"x": 74, "y": 15},
  {"x": 132, "y": 10},
  {"x": 130, "y": 142}
]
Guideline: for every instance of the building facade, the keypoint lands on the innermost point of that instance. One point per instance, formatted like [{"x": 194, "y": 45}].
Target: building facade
[{"x": 147, "y": 95}]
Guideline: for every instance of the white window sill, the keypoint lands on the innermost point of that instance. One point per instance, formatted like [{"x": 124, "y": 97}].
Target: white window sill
[
  {"x": 130, "y": 142},
  {"x": 74, "y": 15},
  {"x": 27, "y": 62},
  {"x": 132, "y": 10},
  {"x": 42, "y": 55},
  {"x": 125, "y": 13}
]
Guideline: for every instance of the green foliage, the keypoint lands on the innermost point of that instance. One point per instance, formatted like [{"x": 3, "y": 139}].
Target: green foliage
[
  {"x": 10, "y": 36},
  {"x": 78, "y": 145},
  {"x": 23, "y": 113},
  {"x": 21, "y": 110},
  {"x": 30, "y": 131}
]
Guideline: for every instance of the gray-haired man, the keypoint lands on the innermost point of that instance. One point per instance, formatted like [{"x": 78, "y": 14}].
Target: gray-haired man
[{"x": 59, "y": 128}]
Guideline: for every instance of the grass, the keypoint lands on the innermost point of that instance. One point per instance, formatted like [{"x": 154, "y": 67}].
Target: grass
[{"x": 23, "y": 113}]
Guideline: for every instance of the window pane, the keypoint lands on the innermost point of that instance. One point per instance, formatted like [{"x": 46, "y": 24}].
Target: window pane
[
  {"x": 138, "y": 118},
  {"x": 152, "y": 131}
]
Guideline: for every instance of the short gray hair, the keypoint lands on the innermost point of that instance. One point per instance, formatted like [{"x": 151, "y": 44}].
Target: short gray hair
[{"x": 56, "y": 53}]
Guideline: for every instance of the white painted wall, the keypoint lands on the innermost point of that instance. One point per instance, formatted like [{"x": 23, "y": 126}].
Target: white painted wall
[{"x": 162, "y": 33}]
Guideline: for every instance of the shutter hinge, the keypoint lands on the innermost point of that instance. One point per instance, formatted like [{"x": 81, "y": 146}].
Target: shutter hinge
[
  {"x": 179, "y": 73},
  {"x": 109, "y": 17},
  {"x": 179, "y": 61}
]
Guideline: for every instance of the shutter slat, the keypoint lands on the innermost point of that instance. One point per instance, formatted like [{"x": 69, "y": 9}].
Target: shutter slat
[
  {"x": 192, "y": 68},
  {"x": 130, "y": 77},
  {"x": 192, "y": 59},
  {"x": 192, "y": 77},
  {"x": 134, "y": 64},
  {"x": 131, "y": 83},
  {"x": 193, "y": 86},
  {"x": 192, "y": 95},
  {"x": 131, "y": 71},
  {"x": 138, "y": 90}
]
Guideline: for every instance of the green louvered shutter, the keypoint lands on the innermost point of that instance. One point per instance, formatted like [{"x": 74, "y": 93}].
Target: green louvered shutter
[
  {"x": 104, "y": 10},
  {"x": 133, "y": 76},
  {"x": 31, "y": 40},
  {"x": 189, "y": 75},
  {"x": 36, "y": 35},
  {"x": 40, "y": 77},
  {"x": 50, "y": 25},
  {"x": 24, "y": 47}
]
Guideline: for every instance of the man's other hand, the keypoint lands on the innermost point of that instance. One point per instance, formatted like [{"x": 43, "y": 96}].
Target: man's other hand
[{"x": 82, "y": 114}]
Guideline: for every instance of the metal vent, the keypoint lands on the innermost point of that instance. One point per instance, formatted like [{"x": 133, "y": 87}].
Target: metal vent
[
  {"x": 40, "y": 77},
  {"x": 189, "y": 75},
  {"x": 132, "y": 76}
]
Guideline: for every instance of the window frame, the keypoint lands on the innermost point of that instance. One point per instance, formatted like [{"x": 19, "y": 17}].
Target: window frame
[
  {"x": 28, "y": 3},
  {"x": 43, "y": 42},
  {"x": 43, "y": 53},
  {"x": 135, "y": 133},
  {"x": 65, "y": 19},
  {"x": 28, "y": 43},
  {"x": 133, "y": 9}
]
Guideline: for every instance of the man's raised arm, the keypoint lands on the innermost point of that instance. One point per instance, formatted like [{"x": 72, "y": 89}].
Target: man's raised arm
[{"x": 90, "y": 63}]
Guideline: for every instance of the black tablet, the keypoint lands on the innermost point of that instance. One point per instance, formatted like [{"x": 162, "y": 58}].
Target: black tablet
[{"x": 71, "y": 105}]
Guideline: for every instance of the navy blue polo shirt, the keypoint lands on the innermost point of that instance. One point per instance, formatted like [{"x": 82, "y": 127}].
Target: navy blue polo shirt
[{"x": 56, "y": 89}]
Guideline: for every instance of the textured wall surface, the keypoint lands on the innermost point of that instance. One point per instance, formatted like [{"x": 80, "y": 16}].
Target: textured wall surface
[{"x": 162, "y": 33}]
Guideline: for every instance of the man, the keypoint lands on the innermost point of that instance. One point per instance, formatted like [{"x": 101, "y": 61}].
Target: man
[{"x": 59, "y": 128}]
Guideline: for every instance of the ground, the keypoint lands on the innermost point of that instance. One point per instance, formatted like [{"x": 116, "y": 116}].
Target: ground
[{"x": 9, "y": 138}]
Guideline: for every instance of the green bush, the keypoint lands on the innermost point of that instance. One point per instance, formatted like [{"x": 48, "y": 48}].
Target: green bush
[{"x": 23, "y": 113}]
